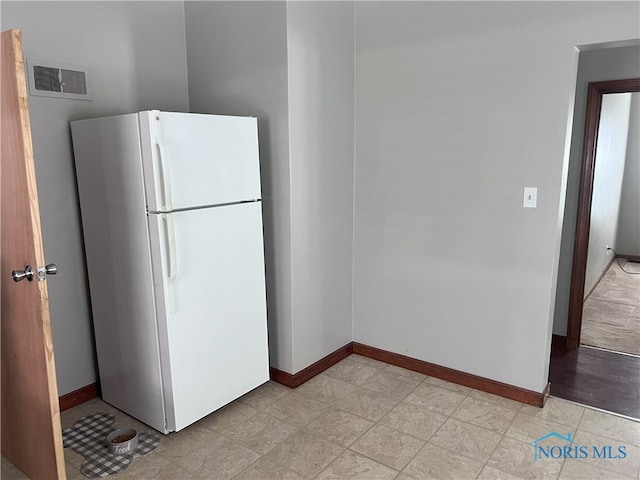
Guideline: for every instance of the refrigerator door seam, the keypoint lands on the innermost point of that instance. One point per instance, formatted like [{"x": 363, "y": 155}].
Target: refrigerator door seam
[
  {"x": 201, "y": 207},
  {"x": 147, "y": 136}
]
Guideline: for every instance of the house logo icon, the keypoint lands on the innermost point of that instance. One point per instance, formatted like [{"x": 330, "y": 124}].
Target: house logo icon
[
  {"x": 538, "y": 450},
  {"x": 564, "y": 447}
]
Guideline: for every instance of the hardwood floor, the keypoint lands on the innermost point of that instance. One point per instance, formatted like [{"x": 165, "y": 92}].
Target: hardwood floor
[{"x": 601, "y": 379}]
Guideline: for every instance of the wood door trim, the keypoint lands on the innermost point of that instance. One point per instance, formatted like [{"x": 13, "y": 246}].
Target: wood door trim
[{"x": 583, "y": 223}]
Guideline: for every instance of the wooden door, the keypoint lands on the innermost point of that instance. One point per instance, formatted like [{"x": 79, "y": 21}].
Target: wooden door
[{"x": 31, "y": 430}]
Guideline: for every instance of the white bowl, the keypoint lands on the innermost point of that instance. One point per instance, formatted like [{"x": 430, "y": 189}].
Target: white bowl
[{"x": 122, "y": 441}]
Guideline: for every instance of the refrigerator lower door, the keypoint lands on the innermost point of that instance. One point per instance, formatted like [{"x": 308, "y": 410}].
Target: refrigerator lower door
[{"x": 210, "y": 285}]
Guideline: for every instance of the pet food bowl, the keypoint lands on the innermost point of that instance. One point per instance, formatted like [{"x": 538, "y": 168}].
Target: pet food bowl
[{"x": 122, "y": 441}]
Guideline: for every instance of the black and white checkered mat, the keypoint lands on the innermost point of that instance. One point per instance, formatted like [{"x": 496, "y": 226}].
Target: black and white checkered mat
[{"x": 88, "y": 438}]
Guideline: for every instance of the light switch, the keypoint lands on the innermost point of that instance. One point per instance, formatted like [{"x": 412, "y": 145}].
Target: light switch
[{"x": 530, "y": 197}]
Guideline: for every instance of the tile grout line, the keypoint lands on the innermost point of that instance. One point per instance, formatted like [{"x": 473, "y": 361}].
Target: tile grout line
[
  {"x": 601, "y": 410},
  {"x": 376, "y": 423},
  {"x": 304, "y": 426},
  {"x": 502, "y": 437},
  {"x": 600, "y": 434},
  {"x": 424, "y": 380},
  {"x": 564, "y": 461},
  {"x": 333, "y": 404},
  {"x": 468, "y": 394},
  {"x": 448, "y": 417}
]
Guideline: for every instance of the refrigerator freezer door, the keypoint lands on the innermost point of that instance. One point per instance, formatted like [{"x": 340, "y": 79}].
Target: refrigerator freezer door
[
  {"x": 211, "y": 285},
  {"x": 192, "y": 160}
]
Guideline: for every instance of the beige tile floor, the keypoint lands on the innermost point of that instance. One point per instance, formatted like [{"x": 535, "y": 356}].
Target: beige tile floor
[
  {"x": 611, "y": 314},
  {"x": 368, "y": 420}
]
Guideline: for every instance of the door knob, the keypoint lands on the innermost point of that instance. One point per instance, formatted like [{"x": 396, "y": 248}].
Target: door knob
[
  {"x": 50, "y": 269},
  {"x": 19, "y": 275}
]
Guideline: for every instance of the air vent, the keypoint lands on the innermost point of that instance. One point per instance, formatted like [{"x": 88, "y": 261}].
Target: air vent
[{"x": 49, "y": 79}]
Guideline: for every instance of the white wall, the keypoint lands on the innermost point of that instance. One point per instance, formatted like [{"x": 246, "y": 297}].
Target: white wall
[
  {"x": 291, "y": 65},
  {"x": 607, "y": 184},
  {"x": 459, "y": 106},
  {"x": 237, "y": 57},
  {"x": 628, "y": 236},
  {"x": 136, "y": 55},
  {"x": 593, "y": 66},
  {"x": 321, "y": 96}
]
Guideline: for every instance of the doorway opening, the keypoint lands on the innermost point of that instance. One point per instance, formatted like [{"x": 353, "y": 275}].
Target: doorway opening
[
  {"x": 595, "y": 376},
  {"x": 595, "y": 97}
]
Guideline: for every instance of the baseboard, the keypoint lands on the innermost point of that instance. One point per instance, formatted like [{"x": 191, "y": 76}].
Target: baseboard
[
  {"x": 630, "y": 258},
  {"x": 297, "y": 379},
  {"x": 558, "y": 339},
  {"x": 600, "y": 277},
  {"x": 79, "y": 396},
  {"x": 450, "y": 375},
  {"x": 454, "y": 376}
]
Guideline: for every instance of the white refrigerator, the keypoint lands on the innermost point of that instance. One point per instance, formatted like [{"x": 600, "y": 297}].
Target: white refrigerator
[{"x": 172, "y": 222}]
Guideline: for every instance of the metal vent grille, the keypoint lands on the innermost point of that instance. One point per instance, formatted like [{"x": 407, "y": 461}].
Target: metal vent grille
[
  {"x": 46, "y": 79},
  {"x": 58, "y": 80},
  {"x": 73, "y": 81}
]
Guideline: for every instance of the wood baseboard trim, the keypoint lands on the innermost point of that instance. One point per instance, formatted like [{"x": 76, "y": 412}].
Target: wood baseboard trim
[
  {"x": 512, "y": 392},
  {"x": 600, "y": 277},
  {"x": 558, "y": 339},
  {"x": 631, "y": 258},
  {"x": 79, "y": 396},
  {"x": 297, "y": 379},
  {"x": 450, "y": 375}
]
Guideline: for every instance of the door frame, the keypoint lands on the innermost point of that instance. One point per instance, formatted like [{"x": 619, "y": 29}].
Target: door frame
[{"x": 583, "y": 223}]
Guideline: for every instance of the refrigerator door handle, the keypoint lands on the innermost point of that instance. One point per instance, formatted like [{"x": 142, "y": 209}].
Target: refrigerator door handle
[
  {"x": 163, "y": 166},
  {"x": 170, "y": 242}
]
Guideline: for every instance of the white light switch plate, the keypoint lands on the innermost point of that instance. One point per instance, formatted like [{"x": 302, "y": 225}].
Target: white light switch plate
[{"x": 530, "y": 197}]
